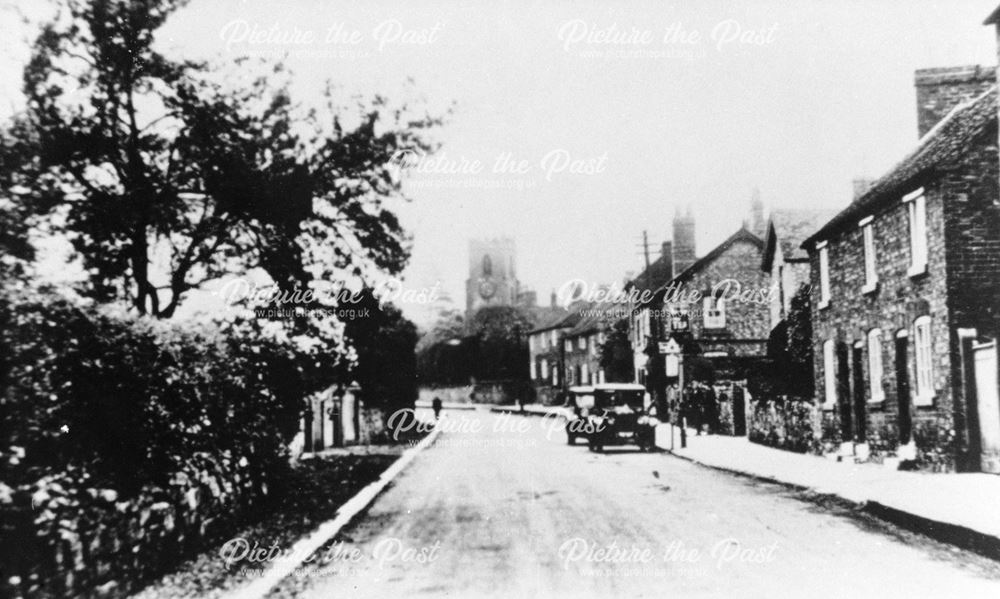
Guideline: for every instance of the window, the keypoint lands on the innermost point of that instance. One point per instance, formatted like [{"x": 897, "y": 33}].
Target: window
[
  {"x": 584, "y": 375},
  {"x": 487, "y": 266},
  {"x": 924, "y": 361},
  {"x": 868, "y": 237},
  {"x": 545, "y": 369},
  {"x": 554, "y": 340},
  {"x": 917, "y": 213},
  {"x": 875, "y": 365},
  {"x": 534, "y": 370},
  {"x": 531, "y": 344},
  {"x": 555, "y": 377},
  {"x": 824, "y": 275},
  {"x": 568, "y": 345},
  {"x": 715, "y": 312},
  {"x": 829, "y": 376},
  {"x": 581, "y": 343}
]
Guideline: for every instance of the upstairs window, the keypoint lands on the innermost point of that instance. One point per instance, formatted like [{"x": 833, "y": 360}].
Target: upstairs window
[
  {"x": 824, "y": 275},
  {"x": 868, "y": 238},
  {"x": 581, "y": 343},
  {"x": 534, "y": 371},
  {"x": 715, "y": 312},
  {"x": 875, "y": 372},
  {"x": 568, "y": 345},
  {"x": 916, "y": 207},
  {"x": 922, "y": 346}
]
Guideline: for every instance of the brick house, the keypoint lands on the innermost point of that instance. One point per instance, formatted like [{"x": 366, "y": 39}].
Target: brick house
[
  {"x": 905, "y": 284},
  {"x": 784, "y": 260},
  {"x": 718, "y": 312},
  {"x": 545, "y": 355},
  {"x": 582, "y": 347},
  {"x": 675, "y": 256}
]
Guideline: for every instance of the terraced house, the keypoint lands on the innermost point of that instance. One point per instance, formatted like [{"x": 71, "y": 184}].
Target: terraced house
[
  {"x": 582, "y": 347},
  {"x": 905, "y": 288},
  {"x": 545, "y": 356}
]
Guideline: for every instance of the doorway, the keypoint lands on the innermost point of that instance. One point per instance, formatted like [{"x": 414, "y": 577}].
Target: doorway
[
  {"x": 858, "y": 392},
  {"x": 739, "y": 411},
  {"x": 844, "y": 392},
  {"x": 905, "y": 417}
]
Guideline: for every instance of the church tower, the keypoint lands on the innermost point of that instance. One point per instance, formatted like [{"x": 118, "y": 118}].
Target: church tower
[{"x": 492, "y": 277}]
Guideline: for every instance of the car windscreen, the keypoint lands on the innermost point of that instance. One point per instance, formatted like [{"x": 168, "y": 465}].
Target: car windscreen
[{"x": 614, "y": 399}]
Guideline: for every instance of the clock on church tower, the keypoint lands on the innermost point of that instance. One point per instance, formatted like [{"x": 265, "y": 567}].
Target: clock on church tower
[{"x": 492, "y": 280}]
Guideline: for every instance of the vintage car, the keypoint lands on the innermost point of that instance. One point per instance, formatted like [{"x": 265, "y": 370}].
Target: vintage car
[
  {"x": 619, "y": 416},
  {"x": 579, "y": 401}
]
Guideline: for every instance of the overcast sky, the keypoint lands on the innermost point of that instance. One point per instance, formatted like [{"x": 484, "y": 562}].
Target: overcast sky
[{"x": 660, "y": 102}]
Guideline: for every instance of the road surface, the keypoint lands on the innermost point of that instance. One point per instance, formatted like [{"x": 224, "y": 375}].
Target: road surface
[{"x": 500, "y": 506}]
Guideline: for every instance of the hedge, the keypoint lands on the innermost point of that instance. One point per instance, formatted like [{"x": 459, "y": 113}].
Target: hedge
[{"x": 126, "y": 444}]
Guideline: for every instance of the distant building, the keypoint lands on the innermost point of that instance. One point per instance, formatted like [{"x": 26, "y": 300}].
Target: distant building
[
  {"x": 492, "y": 275},
  {"x": 545, "y": 355},
  {"x": 675, "y": 255},
  {"x": 784, "y": 259}
]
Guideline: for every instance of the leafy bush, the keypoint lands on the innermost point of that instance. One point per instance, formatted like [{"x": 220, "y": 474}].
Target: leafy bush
[{"x": 125, "y": 443}]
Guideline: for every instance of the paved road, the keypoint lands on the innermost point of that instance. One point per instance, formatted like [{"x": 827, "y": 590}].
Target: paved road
[{"x": 500, "y": 511}]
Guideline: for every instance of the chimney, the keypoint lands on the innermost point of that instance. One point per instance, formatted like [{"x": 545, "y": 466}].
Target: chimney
[
  {"x": 552, "y": 299},
  {"x": 941, "y": 90},
  {"x": 861, "y": 185},
  {"x": 665, "y": 251},
  {"x": 683, "y": 242}
]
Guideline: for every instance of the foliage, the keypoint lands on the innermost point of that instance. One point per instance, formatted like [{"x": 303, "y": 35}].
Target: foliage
[
  {"x": 788, "y": 423},
  {"x": 166, "y": 174},
  {"x": 616, "y": 354},
  {"x": 789, "y": 350},
  {"x": 384, "y": 341},
  {"x": 125, "y": 442},
  {"x": 500, "y": 335}
]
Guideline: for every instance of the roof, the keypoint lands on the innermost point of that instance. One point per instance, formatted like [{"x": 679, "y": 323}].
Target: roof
[
  {"x": 740, "y": 235},
  {"x": 555, "y": 319},
  {"x": 659, "y": 272},
  {"x": 940, "y": 148},
  {"x": 994, "y": 17},
  {"x": 595, "y": 318},
  {"x": 787, "y": 228}
]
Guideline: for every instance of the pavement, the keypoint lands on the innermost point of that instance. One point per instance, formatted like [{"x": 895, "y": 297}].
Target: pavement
[
  {"x": 501, "y": 506},
  {"x": 961, "y": 505}
]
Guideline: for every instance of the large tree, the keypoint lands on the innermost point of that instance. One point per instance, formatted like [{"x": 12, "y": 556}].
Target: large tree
[{"x": 165, "y": 174}]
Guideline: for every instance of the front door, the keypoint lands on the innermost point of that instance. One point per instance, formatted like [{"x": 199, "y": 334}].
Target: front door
[
  {"x": 844, "y": 392},
  {"x": 858, "y": 391},
  {"x": 984, "y": 356},
  {"x": 739, "y": 411},
  {"x": 903, "y": 392}
]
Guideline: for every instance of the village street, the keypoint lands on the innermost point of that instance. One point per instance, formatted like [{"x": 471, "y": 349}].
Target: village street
[{"x": 501, "y": 506}]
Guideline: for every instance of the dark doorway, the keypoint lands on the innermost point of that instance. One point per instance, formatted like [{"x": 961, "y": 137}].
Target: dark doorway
[
  {"x": 844, "y": 392},
  {"x": 739, "y": 411},
  {"x": 860, "y": 416},
  {"x": 903, "y": 392}
]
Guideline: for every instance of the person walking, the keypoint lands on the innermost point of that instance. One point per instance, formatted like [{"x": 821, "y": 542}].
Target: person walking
[{"x": 436, "y": 406}]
